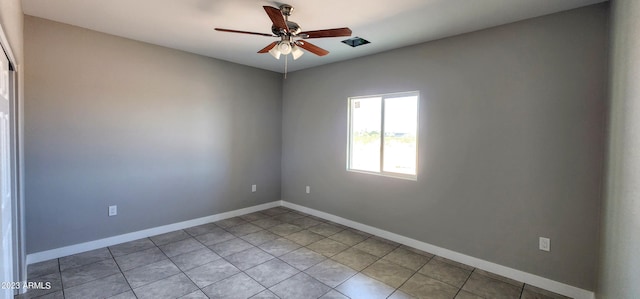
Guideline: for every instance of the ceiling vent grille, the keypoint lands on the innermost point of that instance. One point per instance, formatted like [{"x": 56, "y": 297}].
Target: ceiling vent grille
[{"x": 355, "y": 41}]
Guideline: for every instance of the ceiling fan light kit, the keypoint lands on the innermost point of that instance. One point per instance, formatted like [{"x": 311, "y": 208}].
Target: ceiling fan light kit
[
  {"x": 286, "y": 47},
  {"x": 291, "y": 34},
  {"x": 275, "y": 53},
  {"x": 296, "y": 52}
]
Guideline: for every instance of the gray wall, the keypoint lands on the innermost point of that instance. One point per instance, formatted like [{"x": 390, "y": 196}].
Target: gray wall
[
  {"x": 512, "y": 133},
  {"x": 166, "y": 135},
  {"x": 620, "y": 259}
]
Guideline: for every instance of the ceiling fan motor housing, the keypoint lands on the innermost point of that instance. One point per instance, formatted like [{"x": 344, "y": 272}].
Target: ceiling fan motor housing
[{"x": 294, "y": 29}]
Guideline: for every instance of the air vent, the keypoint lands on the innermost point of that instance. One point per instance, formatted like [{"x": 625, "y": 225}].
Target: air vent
[{"x": 355, "y": 41}]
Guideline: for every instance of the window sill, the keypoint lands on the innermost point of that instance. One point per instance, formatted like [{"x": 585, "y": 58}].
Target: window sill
[{"x": 407, "y": 177}]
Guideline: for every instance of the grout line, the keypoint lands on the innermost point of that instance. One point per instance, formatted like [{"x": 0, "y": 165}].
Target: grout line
[
  {"x": 253, "y": 246},
  {"x": 59, "y": 273},
  {"x": 181, "y": 271},
  {"x": 414, "y": 272},
  {"x": 122, "y": 272},
  {"x": 465, "y": 281},
  {"x": 185, "y": 274},
  {"x": 257, "y": 246},
  {"x": 301, "y": 246}
]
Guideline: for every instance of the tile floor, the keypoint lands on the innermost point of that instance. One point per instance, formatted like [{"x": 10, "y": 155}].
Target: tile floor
[{"x": 274, "y": 253}]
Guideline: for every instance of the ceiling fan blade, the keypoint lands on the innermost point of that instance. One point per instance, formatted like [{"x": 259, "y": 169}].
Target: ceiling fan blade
[
  {"x": 326, "y": 33},
  {"x": 276, "y": 17},
  {"x": 267, "y": 48},
  {"x": 312, "y": 48},
  {"x": 245, "y": 32}
]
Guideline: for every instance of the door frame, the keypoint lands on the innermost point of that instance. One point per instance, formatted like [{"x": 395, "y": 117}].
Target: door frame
[{"x": 16, "y": 164}]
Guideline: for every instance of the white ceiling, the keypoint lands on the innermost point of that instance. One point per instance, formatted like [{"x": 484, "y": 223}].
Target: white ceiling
[{"x": 188, "y": 24}]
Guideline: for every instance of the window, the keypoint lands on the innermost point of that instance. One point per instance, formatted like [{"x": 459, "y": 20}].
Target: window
[{"x": 383, "y": 134}]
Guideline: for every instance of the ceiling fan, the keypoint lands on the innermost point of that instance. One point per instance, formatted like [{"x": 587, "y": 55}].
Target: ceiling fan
[{"x": 291, "y": 34}]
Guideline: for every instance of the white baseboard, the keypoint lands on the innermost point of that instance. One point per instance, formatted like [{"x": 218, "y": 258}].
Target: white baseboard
[
  {"x": 528, "y": 278},
  {"x": 91, "y": 245}
]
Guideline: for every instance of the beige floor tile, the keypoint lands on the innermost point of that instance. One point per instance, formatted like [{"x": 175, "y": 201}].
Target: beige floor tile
[
  {"x": 407, "y": 258},
  {"x": 445, "y": 272},
  {"x": 488, "y": 287},
  {"x": 354, "y": 258},
  {"x": 421, "y": 286},
  {"x": 388, "y": 272}
]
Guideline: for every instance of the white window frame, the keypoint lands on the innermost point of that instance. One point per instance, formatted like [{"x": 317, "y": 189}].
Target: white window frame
[{"x": 383, "y": 97}]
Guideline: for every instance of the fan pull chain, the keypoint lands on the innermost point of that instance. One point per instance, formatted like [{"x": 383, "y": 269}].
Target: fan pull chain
[{"x": 285, "y": 65}]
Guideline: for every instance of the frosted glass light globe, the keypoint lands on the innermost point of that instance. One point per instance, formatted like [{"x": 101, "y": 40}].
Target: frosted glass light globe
[{"x": 284, "y": 47}]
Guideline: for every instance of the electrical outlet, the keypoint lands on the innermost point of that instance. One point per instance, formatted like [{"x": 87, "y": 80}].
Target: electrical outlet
[
  {"x": 308, "y": 189},
  {"x": 113, "y": 210},
  {"x": 545, "y": 244},
  {"x": 254, "y": 188}
]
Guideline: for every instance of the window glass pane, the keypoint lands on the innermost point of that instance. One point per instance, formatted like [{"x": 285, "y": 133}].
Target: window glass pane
[
  {"x": 365, "y": 134},
  {"x": 400, "y": 127}
]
